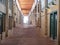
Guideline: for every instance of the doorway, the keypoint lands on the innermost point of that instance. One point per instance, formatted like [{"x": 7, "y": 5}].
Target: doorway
[
  {"x": 53, "y": 25},
  {"x": 2, "y": 23}
]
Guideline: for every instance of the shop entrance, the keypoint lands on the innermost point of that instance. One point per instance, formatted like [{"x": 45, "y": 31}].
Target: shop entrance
[
  {"x": 53, "y": 25},
  {"x": 2, "y": 23}
]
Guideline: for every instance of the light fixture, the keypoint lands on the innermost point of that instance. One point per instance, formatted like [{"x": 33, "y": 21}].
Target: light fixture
[
  {"x": 53, "y": 3},
  {"x": 41, "y": 11},
  {"x": 47, "y": 7}
]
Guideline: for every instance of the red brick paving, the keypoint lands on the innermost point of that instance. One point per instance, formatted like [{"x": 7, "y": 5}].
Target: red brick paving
[{"x": 26, "y": 36}]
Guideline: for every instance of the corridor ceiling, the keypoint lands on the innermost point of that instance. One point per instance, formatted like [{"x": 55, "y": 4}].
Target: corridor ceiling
[{"x": 25, "y": 6}]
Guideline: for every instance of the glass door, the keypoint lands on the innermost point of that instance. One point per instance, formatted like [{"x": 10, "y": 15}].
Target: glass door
[
  {"x": 53, "y": 25},
  {"x": 1, "y": 24},
  {"x": 55, "y": 13}
]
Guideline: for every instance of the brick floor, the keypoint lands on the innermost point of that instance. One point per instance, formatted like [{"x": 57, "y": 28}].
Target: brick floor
[{"x": 26, "y": 36}]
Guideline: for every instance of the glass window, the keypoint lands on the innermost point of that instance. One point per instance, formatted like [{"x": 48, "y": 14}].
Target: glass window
[
  {"x": 42, "y": 3},
  {"x": 49, "y": 1},
  {"x": 53, "y": 2},
  {"x": 1, "y": 1},
  {"x": 10, "y": 4},
  {"x": 4, "y": 2}
]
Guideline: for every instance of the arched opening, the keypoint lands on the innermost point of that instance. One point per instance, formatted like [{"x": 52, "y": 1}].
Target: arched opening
[{"x": 25, "y": 19}]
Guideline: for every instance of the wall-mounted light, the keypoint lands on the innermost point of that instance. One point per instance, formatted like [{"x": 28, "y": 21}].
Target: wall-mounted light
[
  {"x": 41, "y": 11},
  {"x": 48, "y": 7},
  {"x": 53, "y": 3},
  {"x": 14, "y": 13}
]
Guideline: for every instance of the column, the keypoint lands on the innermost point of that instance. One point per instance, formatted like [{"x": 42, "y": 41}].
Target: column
[
  {"x": 46, "y": 19},
  {"x": 37, "y": 13},
  {"x": 6, "y": 20},
  {"x": 39, "y": 20},
  {"x": 10, "y": 15},
  {"x": 13, "y": 13},
  {"x": 58, "y": 21},
  {"x": 35, "y": 16}
]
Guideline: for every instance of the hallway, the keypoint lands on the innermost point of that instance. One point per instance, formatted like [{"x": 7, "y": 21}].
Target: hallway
[{"x": 27, "y": 36}]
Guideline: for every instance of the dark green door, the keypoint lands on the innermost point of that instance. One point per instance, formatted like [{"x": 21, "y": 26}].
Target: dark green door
[
  {"x": 53, "y": 25},
  {"x": 1, "y": 23},
  {"x": 55, "y": 13}
]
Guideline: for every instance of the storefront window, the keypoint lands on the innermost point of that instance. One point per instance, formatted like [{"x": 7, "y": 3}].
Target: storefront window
[
  {"x": 42, "y": 3},
  {"x": 0, "y": 0},
  {"x": 0, "y": 17},
  {"x": 49, "y": 1},
  {"x": 10, "y": 4},
  {"x": 53, "y": 2},
  {"x": 4, "y": 2}
]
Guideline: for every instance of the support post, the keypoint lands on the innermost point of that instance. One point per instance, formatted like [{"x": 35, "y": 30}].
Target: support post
[
  {"x": 6, "y": 20},
  {"x": 13, "y": 21},
  {"x": 39, "y": 13},
  {"x": 58, "y": 21},
  {"x": 46, "y": 18}
]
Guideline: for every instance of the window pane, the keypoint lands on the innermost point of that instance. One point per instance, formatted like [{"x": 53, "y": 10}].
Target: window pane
[{"x": 0, "y": 0}]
